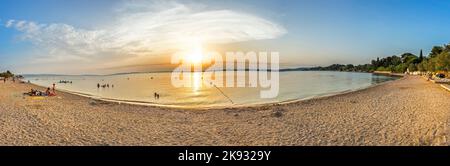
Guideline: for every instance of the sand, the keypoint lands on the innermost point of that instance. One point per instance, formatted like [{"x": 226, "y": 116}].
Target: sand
[{"x": 408, "y": 111}]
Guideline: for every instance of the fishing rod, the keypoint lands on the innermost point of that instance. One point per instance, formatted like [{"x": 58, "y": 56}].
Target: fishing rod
[{"x": 223, "y": 94}]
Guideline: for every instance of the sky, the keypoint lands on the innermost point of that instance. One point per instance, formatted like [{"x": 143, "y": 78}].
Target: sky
[{"x": 115, "y": 36}]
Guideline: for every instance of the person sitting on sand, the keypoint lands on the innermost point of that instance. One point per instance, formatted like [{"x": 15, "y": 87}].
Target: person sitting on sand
[
  {"x": 31, "y": 93},
  {"x": 47, "y": 92}
]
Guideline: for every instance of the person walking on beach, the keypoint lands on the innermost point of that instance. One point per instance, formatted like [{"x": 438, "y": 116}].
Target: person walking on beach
[
  {"x": 98, "y": 85},
  {"x": 156, "y": 96},
  {"x": 53, "y": 88}
]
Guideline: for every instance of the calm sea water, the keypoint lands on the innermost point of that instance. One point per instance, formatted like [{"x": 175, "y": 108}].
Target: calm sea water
[{"x": 140, "y": 88}]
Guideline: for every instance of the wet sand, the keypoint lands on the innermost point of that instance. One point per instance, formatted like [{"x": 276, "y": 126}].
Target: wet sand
[{"x": 408, "y": 111}]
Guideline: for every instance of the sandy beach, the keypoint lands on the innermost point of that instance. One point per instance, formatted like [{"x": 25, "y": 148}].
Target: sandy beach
[{"x": 408, "y": 111}]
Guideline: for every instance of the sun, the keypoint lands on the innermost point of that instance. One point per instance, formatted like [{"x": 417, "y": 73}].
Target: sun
[{"x": 195, "y": 56}]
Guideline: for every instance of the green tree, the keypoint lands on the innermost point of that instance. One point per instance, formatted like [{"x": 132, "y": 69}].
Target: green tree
[
  {"x": 412, "y": 67},
  {"x": 443, "y": 61},
  {"x": 381, "y": 68},
  {"x": 422, "y": 66},
  {"x": 401, "y": 68},
  {"x": 431, "y": 65},
  {"x": 421, "y": 56},
  {"x": 435, "y": 51},
  {"x": 7, "y": 74}
]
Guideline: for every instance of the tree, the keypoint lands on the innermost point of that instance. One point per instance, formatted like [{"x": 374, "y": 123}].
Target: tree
[
  {"x": 435, "y": 51},
  {"x": 422, "y": 66},
  {"x": 412, "y": 67},
  {"x": 443, "y": 61},
  {"x": 447, "y": 47},
  {"x": 7, "y": 74},
  {"x": 431, "y": 65},
  {"x": 409, "y": 58},
  {"x": 420, "y": 56},
  {"x": 401, "y": 68},
  {"x": 381, "y": 68}
]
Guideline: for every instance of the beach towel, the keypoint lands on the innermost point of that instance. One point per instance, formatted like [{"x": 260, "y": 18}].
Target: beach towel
[{"x": 37, "y": 97}]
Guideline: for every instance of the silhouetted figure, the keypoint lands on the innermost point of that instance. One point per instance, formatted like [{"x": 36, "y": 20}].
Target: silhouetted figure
[
  {"x": 98, "y": 85},
  {"x": 53, "y": 89},
  {"x": 47, "y": 92}
]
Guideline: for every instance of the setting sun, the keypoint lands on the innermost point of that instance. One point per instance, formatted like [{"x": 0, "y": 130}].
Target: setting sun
[{"x": 195, "y": 56}]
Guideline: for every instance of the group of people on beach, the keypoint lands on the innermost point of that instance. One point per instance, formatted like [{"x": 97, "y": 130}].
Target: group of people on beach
[
  {"x": 48, "y": 92},
  {"x": 104, "y": 85},
  {"x": 65, "y": 82},
  {"x": 6, "y": 79}
]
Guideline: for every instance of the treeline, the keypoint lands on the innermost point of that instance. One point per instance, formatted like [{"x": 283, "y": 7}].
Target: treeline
[
  {"x": 349, "y": 68},
  {"x": 6, "y": 74},
  {"x": 438, "y": 60}
]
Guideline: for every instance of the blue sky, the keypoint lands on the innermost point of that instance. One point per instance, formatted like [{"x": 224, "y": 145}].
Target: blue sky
[{"x": 305, "y": 32}]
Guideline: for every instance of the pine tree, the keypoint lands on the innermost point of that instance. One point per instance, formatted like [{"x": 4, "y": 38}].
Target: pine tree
[{"x": 421, "y": 56}]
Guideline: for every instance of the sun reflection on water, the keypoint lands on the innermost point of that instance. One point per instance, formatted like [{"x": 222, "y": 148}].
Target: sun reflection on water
[{"x": 196, "y": 81}]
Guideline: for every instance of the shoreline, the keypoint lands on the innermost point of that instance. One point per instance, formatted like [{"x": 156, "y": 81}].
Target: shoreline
[
  {"x": 392, "y": 113},
  {"x": 340, "y": 93},
  {"x": 152, "y": 104}
]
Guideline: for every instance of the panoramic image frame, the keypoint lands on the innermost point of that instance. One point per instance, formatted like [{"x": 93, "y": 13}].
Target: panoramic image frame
[{"x": 221, "y": 80}]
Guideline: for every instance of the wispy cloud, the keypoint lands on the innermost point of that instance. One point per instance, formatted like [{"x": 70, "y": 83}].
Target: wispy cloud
[{"x": 154, "y": 28}]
